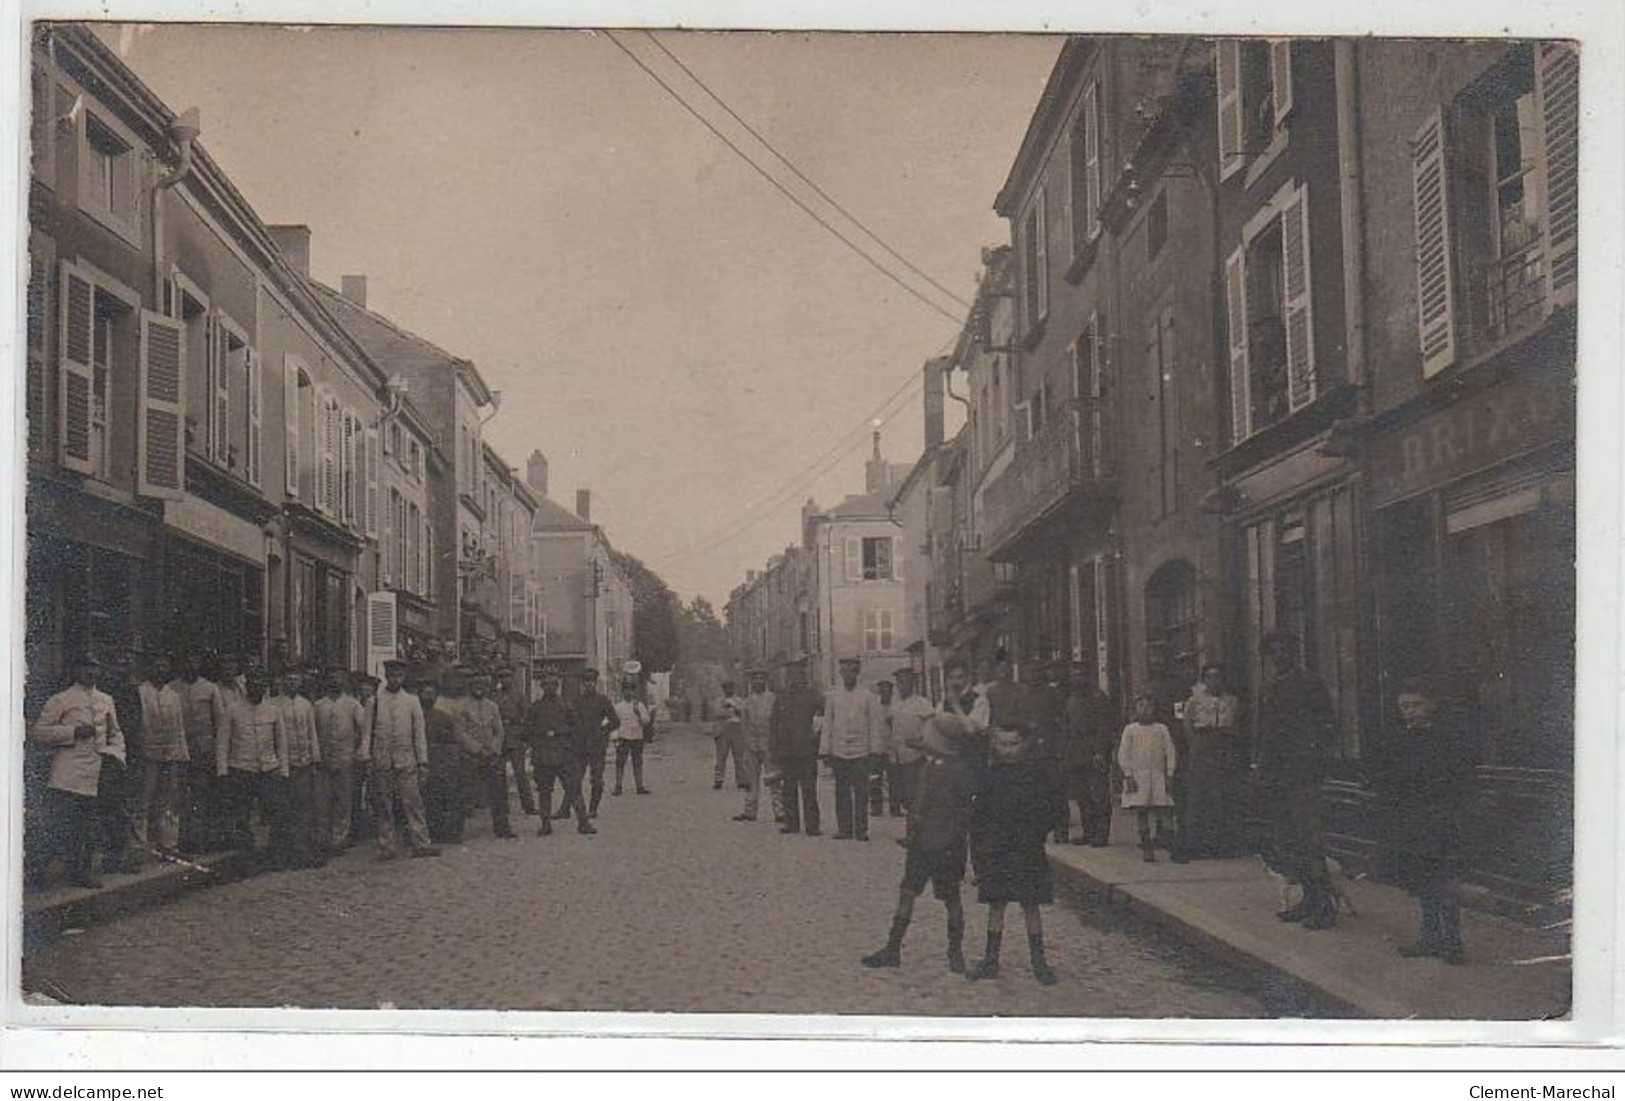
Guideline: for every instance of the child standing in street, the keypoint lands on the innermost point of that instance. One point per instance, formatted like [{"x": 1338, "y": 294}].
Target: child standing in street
[
  {"x": 936, "y": 837},
  {"x": 1146, "y": 758},
  {"x": 1017, "y": 807}
]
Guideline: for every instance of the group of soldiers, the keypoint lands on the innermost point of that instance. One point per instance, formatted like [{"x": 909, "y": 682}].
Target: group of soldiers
[{"x": 297, "y": 765}]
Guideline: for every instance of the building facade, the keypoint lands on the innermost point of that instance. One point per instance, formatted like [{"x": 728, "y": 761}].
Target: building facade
[{"x": 584, "y": 600}]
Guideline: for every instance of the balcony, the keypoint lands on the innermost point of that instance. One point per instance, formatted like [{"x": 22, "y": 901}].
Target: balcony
[
  {"x": 1067, "y": 464},
  {"x": 1508, "y": 295}
]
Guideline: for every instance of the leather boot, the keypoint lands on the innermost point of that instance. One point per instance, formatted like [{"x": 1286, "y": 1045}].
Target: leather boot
[
  {"x": 988, "y": 966},
  {"x": 956, "y": 944},
  {"x": 1041, "y": 968},
  {"x": 892, "y": 954},
  {"x": 1322, "y": 907}
]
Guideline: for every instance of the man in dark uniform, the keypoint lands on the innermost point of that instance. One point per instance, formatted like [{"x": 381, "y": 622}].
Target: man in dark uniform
[
  {"x": 511, "y": 701},
  {"x": 1296, "y": 725},
  {"x": 596, "y": 720},
  {"x": 445, "y": 806},
  {"x": 793, "y": 743},
  {"x": 1046, "y": 712},
  {"x": 1091, "y": 727},
  {"x": 550, "y": 731}
]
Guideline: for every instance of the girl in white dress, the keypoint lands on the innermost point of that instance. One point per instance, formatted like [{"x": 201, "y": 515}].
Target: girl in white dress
[{"x": 1146, "y": 758}]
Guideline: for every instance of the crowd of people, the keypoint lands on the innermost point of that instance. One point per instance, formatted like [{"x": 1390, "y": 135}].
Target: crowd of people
[{"x": 296, "y": 765}]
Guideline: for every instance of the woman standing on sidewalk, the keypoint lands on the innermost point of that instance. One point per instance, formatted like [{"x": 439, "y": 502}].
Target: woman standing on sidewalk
[{"x": 1423, "y": 777}]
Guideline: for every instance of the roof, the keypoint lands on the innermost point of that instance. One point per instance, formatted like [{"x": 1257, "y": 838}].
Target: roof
[
  {"x": 555, "y": 517},
  {"x": 876, "y": 505},
  {"x": 386, "y": 339},
  {"x": 1046, "y": 117}
]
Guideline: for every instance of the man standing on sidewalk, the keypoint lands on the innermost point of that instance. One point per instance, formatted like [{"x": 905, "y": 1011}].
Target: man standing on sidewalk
[
  {"x": 1296, "y": 725},
  {"x": 636, "y": 724},
  {"x": 511, "y": 701},
  {"x": 164, "y": 759},
  {"x": 852, "y": 735},
  {"x": 596, "y": 720},
  {"x": 203, "y": 710},
  {"x": 484, "y": 736},
  {"x": 728, "y": 735},
  {"x": 300, "y": 847},
  {"x": 757, "y": 713},
  {"x": 251, "y": 759},
  {"x": 1090, "y": 731},
  {"x": 80, "y": 725},
  {"x": 792, "y": 741},
  {"x": 395, "y": 747},
  {"x": 550, "y": 729},
  {"x": 339, "y": 719}
]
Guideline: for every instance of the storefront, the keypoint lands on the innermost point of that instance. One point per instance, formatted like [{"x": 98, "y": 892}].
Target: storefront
[
  {"x": 324, "y": 600},
  {"x": 213, "y": 582},
  {"x": 1474, "y": 509}
]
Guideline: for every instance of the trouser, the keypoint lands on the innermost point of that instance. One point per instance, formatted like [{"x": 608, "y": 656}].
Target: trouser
[
  {"x": 203, "y": 824},
  {"x": 1441, "y": 915},
  {"x": 728, "y": 737},
  {"x": 877, "y": 787},
  {"x": 1205, "y": 793},
  {"x": 299, "y": 844},
  {"x": 902, "y": 780},
  {"x": 334, "y": 784},
  {"x": 594, "y": 766},
  {"x": 363, "y": 823},
  {"x": 515, "y": 757},
  {"x": 1092, "y": 790},
  {"x": 1296, "y": 826},
  {"x": 157, "y": 818},
  {"x": 445, "y": 796},
  {"x": 114, "y": 800},
  {"x": 851, "y": 796},
  {"x": 755, "y": 763},
  {"x": 386, "y": 785},
  {"x": 64, "y": 829},
  {"x": 568, "y": 776},
  {"x": 632, "y": 749},
  {"x": 800, "y": 792},
  {"x": 492, "y": 771},
  {"x": 1179, "y": 786},
  {"x": 264, "y": 792}
]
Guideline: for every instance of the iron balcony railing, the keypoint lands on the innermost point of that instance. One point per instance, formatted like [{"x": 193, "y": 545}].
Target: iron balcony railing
[
  {"x": 1510, "y": 293},
  {"x": 1070, "y": 454}
]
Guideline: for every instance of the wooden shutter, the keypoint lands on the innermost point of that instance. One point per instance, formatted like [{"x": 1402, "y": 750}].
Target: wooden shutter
[
  {"x": 349, "y": 461},
  {"x": 1041, "y": 244},
  {"x": 428, "y": 558},
  {"x": 1557, "y": 77},
  {"x": 39, "y": 285},
  {"x": 1235, "y": 293},
  {"x": 370, "y": 509},
  {"x": 382, "y": 632},
  {"x": 1281, "y": 78},
  {"x": 161, "y": 426},
  {"x": 1298, "y": 284},
  {"x": 1227, "y": 65},
  {"x": 220, "y": 427},
  {"x": 1091, "y": 159},
  {"x": 290, "y": 426},
  {"x": 854, "y": 559},
  {"x": 76, "y": 374},
  {"x": 1435, "y": 287},
  {"x": 255, "y": 399}
]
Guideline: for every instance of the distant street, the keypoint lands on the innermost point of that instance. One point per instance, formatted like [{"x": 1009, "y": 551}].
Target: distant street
[{"x": 672, "y": 907}]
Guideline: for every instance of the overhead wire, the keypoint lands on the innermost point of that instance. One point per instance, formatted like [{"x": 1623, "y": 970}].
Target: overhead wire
[
  {"x": 802, "y": 176},
  {"x": 780, "y": 187}
]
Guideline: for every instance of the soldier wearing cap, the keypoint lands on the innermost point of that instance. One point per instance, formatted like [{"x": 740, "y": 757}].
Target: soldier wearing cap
[
  {"x": 756, "y": 713},
  {"x": 484, "y": 737},
  {"x": 596, "y": 720},
  {"x": 445, "y": 789},
  {"x": 203, "y": 710},
  {"x": 852, "y": 735},
  {"x": 395, "y": 749},
  {"x": 1296, "y": 726},
  {"x": 511, "y": 701},
  {"x": 80, "y": 725},
  {"x": 550, "y": 727},
  {"x": 792, "y": 742},
  {"x": 339, "y": 719}
]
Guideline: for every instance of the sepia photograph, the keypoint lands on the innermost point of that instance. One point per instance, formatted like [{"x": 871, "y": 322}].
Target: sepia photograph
[{"x": 812, "y": 523}]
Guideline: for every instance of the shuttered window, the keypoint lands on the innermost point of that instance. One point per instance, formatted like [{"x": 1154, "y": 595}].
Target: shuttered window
[
  {"x": 39, "y": 312},
  {"x": 254, "y": 401},
  {"x": 1269, "y": 316},
  {"x": 1300, "y": 329},
  {"x": 1558, "y": 74},
  {"x": 370, "y": 508},
  {"x": 1227, "y": 68},
  {"x": 1086, "y": 182},
  {"x": 1435, "y": 288},
  {"x": 76, "y": 372},
  {"x": 290, "y": 425},
  {"x": 161, "y": 424}
]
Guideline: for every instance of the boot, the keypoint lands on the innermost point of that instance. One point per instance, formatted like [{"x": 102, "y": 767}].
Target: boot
[
  {"x": 1449, "y": 941},
  {"x": 1426, "y": 944},
  {"x": 1041, "y": 968},
  {"x": 956, "y": 942},
  {"x": 988, "y": 966},
  {"x": 1148, "y": 850},
  {"x": 892, "y": 954},
  {"x": 1322, "y": 907}
]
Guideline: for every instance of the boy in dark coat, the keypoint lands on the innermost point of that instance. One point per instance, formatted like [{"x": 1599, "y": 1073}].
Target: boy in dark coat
[
  {"x": 1014, "y": 811},
  {"x": 936, "y": 837},
  {"x": 1423, "y": 777}
]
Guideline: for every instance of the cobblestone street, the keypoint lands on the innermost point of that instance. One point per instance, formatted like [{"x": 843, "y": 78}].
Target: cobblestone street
[{"x": 671, "y": 907}]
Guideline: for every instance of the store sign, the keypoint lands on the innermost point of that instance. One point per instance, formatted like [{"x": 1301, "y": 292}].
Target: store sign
[
  {"x": 1513, "y": 418},
  {"x": 216, "y": 527}
]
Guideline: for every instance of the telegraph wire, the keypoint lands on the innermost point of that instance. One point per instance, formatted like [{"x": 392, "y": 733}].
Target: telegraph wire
[
  {"x": 786, "y": 192},
  {"x": 802, "y": 176}
]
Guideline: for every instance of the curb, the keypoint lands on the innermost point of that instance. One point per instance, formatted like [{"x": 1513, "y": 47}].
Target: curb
[{"x": 44, "y": 922}]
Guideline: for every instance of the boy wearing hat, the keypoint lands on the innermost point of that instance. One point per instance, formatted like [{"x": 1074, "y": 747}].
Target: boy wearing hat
[
  {"x": 80, "y": 724},
  {"x": 936, "y": 839}
]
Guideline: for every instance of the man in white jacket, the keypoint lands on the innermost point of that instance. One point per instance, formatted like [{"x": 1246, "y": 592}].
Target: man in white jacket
[
  {"x": 853, "y": 733},
  {"x": 82, "y": 726}
]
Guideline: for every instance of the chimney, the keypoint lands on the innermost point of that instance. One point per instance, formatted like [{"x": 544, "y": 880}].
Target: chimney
[
  {"x": 354, "y": 287},
  {"x": 584, "y": 504},
  {"x": 536, "y": 474},
  {"x": 294, "y": 244},
  {"x": 935, "y": 372}
]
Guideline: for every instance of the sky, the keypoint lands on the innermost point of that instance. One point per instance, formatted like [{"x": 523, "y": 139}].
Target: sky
[{"x": 669, "y": 329}]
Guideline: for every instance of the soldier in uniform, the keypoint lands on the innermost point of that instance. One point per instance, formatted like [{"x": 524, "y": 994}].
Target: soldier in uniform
[
  {"x": 395, "y": 747},
  {"x": 793, "y": 743},
  {"x": 80, "y": 726},
  {"x": 550, "y": 726},
  {"x": 756, "y": 711},
  {"x": 1090, "y": 729},
  {"x": 596, "y": 720}
]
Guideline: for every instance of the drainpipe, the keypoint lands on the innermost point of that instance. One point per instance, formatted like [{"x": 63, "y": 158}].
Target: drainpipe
[
  {"x": 183, "y": 131},
  {"x": 1351, "y": 204}
]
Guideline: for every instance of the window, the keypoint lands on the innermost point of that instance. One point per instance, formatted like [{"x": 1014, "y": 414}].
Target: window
[
  {"x": 228, "y": 374},
  {"x": 1088, "y": 392},
  {"x": 870, "y": 559},
  {"x": 1085, "y": 174},
  {"x": 1035, "y": 265},
  {"x": 1255, "y": 98},
  {"x": 1267, "y": 288},
  {"x": 1156, "y": 226},
  {"x": 877, "y": 631},
  {"x": 107, "y": 174},
  {"x": 98, "y": 338},
  {"x": 414, "y": 461},
  {"x": 1496, "y": 186},
  {"x": 1173, "y": 622}
]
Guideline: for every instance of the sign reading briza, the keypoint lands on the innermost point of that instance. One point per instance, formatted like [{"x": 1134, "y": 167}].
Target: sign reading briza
[{"x": 1514, "y": 417}]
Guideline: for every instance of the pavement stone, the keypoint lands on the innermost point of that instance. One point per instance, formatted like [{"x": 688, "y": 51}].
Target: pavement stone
[{"x": 672, "y": 907}]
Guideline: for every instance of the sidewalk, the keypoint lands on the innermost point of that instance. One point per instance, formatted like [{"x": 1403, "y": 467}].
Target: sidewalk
[{"x": 1228, "y": 908}]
